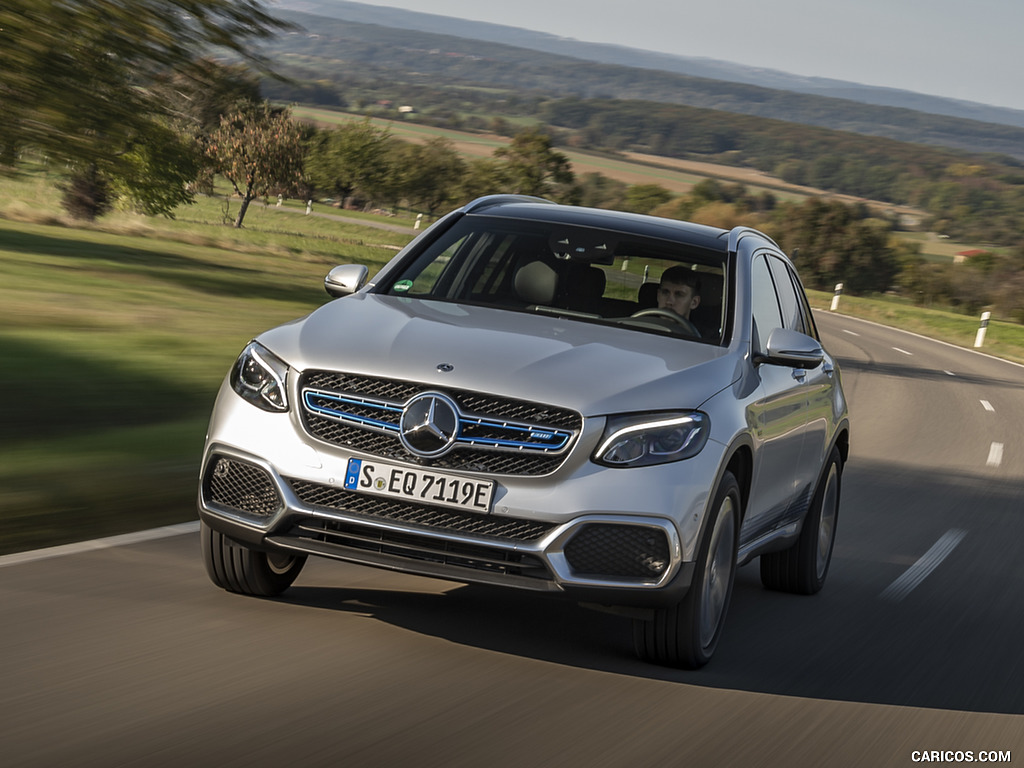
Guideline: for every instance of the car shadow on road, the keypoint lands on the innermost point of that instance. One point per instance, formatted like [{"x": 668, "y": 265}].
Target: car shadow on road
[
  {"x": 951, "y": 644},
  {"x": 850, "y": 365}
]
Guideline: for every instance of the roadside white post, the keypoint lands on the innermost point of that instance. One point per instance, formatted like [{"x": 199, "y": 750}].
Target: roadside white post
[
  {"x": 980, "y": 338},
  {"x": 309, "y": 207},
  {"x": 835, "y": 297},
  {"x": 419, "y": 220}
]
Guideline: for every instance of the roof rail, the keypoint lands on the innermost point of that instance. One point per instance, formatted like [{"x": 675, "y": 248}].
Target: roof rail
[
  {"x": 488, "y": 201},
  {"x": 737, "y": 233}
]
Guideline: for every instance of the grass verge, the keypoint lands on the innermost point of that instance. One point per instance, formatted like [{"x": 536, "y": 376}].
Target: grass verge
[
  {"x": 115, "y": 340},
  {"x": 1005, "y": 340}
]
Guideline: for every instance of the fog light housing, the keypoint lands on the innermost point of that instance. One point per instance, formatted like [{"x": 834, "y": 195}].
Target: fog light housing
[{"x": 612, "y": 550}]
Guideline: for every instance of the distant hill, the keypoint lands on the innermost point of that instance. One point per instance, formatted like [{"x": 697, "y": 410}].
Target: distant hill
[
  {"x": 337, "y": 57},
  {"x": 630, "y": 57}
]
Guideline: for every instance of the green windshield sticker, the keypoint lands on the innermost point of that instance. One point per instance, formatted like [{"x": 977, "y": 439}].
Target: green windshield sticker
[{"x": 402, "y": 286}]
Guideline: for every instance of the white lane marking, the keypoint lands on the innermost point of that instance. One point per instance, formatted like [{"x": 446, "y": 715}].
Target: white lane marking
[
  {"x": 850, "y": 332},
  {"x": 111, "y": 541},
  {"x": 904, "y": 352},
  {"x": 949, "y": 373},
  {"x": 929, "y": 561},
  {"x": 987, "y": 406},
  {"x": 995, "y": 455}
]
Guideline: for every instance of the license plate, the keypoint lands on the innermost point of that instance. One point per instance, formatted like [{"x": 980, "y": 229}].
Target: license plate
[{"x": 420, "y": 485}]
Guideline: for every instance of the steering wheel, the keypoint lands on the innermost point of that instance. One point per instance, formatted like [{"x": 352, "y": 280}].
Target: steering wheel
[{"x": 668, "y": 314}]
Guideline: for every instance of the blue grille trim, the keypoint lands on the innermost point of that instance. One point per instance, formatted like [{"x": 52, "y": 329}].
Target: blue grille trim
[
  {"x": 375, "y": 415},
  {"x": 552, "y": 440},
  {"x": 310, "y": 396}
]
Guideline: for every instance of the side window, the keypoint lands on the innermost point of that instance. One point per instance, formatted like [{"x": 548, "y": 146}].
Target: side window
[
  {"x": 812, "y": 329},
  {"x": 425, "y": 283},
  {"x": 764, "y": 303},
  {"x": 492, "y": 273},
  {"x": 792, "y": 309}
]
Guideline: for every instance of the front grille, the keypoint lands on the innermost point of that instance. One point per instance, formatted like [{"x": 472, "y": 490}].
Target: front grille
[
  {"x": 496, "y": 435},
  {"x": 421, "y": 515},
  {"x": 240, "y": 485},
  {"x": 347, "y": 539},
  {"x": 625, "y": 551}
]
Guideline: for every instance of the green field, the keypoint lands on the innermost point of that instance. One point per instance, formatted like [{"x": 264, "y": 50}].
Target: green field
[
  {"x": 115, "y": 341},
  {"x": 939, "y": 249}
]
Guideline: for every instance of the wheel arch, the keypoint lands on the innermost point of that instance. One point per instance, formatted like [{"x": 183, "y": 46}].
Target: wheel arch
[
  {"x": 740, "y": 461},
  {"x": 842, "y": 441}
]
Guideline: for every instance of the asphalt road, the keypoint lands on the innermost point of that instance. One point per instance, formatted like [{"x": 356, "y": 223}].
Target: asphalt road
[{"x": 127, "y": 655}]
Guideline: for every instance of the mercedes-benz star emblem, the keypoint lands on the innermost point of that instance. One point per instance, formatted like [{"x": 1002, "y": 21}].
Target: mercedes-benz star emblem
[{"x": 429, "y": 424}]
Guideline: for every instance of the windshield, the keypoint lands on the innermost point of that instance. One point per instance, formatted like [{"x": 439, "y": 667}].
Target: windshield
[{"x": 580, "y": 273}]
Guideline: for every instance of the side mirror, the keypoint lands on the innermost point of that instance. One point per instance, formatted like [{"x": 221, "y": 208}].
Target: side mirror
[
  {"x": 792, "y": 349},
  {"x": 345, "y": 280}
]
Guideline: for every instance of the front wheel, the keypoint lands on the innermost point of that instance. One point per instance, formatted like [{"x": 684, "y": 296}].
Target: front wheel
[
  {"x": 803, "y": 567},
  {"x": 247, "y": 571},
  {"x": 686, "y": 635}
]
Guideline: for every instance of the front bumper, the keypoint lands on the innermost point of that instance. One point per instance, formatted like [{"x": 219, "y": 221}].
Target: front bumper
[
  {"x": 581, "y": 532},
  {"x": 601, "y": 558}
]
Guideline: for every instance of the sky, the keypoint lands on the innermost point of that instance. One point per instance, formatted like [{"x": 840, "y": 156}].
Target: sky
[{"x": 961, "y": 49}]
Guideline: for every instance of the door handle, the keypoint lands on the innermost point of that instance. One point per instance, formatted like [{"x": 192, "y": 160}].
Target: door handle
[{"x": 799, "y": 374}]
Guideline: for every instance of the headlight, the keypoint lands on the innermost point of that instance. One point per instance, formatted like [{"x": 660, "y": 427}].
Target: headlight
[
  {"x": 639, "y": 440},
  {"x": 259, "y": 377}
]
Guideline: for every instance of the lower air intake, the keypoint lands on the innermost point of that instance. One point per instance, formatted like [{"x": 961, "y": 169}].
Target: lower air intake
[
  {"x": 242, "y": 486},
  {"x": 622, "y": 551}
]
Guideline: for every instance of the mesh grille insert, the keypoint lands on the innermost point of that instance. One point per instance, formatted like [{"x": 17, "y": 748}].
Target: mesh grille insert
[
  {"x": 362, "y": 413},
  {"x": 239, "y": 485},
  {"x": 436, "y": 518},
  {"x": 601, "y": 549}
]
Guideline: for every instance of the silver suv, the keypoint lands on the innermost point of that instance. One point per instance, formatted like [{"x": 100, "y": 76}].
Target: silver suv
[{"x": 616, "y": 408}]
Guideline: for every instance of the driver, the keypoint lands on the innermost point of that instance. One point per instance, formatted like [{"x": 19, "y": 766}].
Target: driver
[{"x": 679, "y": 290}]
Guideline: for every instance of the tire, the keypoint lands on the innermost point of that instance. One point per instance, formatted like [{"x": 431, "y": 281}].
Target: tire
[
  {"x": 802, "y": 568},
  {"x": 686, "y": 635},
  {"x": 247, "y": 571}
]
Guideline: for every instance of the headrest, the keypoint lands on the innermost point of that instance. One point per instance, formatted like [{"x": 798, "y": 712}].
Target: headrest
[
  {"x": 584, "y": 281},
  {"x": 647, "y": 295},
  {"x": 535, "y": 283}
]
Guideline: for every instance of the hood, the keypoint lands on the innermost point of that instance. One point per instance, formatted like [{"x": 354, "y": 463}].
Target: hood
[{"x": 591, "y": 368}]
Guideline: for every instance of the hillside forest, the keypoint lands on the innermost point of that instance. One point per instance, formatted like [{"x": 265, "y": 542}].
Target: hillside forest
[{"x": 150, "y": 133}]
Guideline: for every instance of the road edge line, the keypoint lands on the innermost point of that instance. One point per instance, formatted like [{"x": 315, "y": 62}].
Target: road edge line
[
  {"x": 950, "y": 344},
  {"x": 78, "y": 547}
]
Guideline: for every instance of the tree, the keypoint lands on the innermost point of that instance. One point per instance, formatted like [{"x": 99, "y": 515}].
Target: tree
[
  {"x": 595, "y": 190},
  {"x": 484, "y": 176},
  {"x": 354, "y": 156},
  {"x": 194, "y": 104},
  {"x": 431, "y": 173},
  {"x": 533, "y": 167},
  {"x": 76, "y": 76},
  {"x": 86, "y": 195},
  {"x": 644, "y": 198},
  {"x": 836, "y": 243},
  {"x": 196, "y": 99},
  {"x": 154, "y": 176},
  {"x": 258, "y": 149}
]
